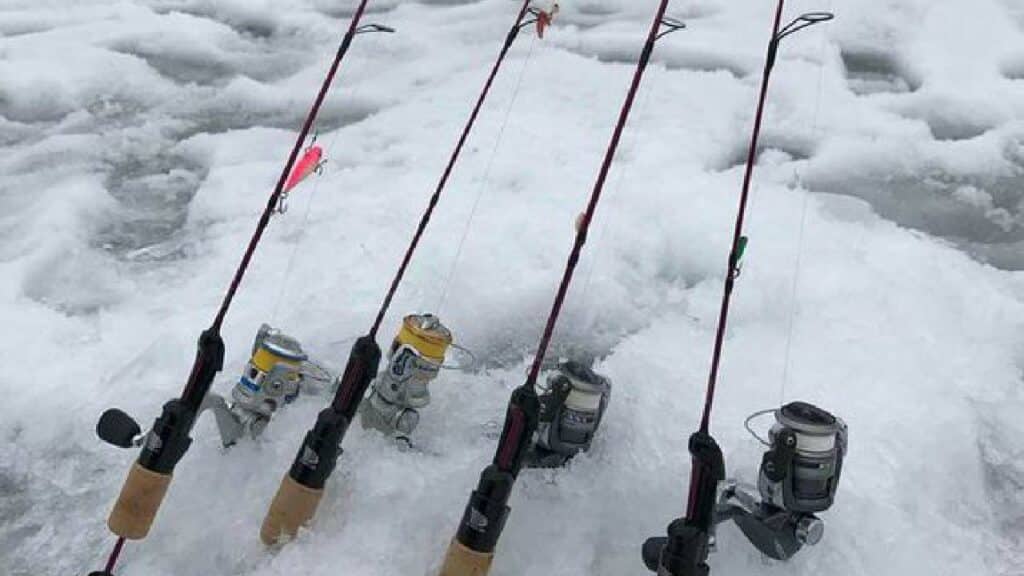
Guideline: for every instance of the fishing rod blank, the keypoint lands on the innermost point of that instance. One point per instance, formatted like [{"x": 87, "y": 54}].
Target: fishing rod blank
[
  {"x": 301, "y": 489},
  {"x": 168, "y": 440},
  {"x": 471, "y": 551},
  {"x": 685, "y": 551}
]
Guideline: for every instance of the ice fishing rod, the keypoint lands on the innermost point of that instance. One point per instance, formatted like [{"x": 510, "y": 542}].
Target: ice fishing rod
[
  {"x": 471, "y": 551},
  {"x": 302, "y": 487},
  {"x": 685, "y": 551},
  {"x": 168, "y": 440}
]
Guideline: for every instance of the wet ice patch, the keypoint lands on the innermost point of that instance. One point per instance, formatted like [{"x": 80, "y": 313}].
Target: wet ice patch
[
  {"x": 75, "y": 282},
  {"x": 950, "y": 119},
  {"x": 972, "y": 195},
  {"x": 1013, "y": 69},
  {"x": 773, "y": 148},
  {"x": 246, "y": 19},
  {"x": 153, "y": 199},
  {"x": 870, "y": 72},
  {"x": 246, "y": 104},
  {"x": 182, "y": 66}
]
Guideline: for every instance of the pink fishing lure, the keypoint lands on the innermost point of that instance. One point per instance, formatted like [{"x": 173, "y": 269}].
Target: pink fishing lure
[{"x": 309, "y": 163}]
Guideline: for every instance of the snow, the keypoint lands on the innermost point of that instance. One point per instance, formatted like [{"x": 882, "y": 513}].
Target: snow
[{"x": 138, "y": 141}]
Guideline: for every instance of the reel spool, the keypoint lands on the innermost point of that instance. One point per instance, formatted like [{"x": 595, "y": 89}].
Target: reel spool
[
  {"x": 273, "y": 375},
  {"x": 800, "y": 472},
  {"x": 415, "y": 358}
]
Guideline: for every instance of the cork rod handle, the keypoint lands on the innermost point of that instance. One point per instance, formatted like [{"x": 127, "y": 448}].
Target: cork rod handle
[
  {"x": 461, "y": 561},
  {"x": 136, "y": 507},
  {"x": 293, "y": 507}
]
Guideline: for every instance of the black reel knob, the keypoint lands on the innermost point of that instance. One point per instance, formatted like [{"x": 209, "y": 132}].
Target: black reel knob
[
  {"x": 651, "y": 552},
  {"x": 118, "y": 428}
]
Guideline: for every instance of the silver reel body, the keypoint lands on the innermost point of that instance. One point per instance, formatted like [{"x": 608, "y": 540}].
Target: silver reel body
[
  {"x": 399, "y": 393},
  {"x": 273, "y": 377},
  {"x": 402, "y": 389}
]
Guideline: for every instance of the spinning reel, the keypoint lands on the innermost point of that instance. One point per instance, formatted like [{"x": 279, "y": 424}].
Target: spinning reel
[
  {"x": 274, "y": 376},
  {"x": 415, "y": 358},
  {"x": 797, "y": 479},
  {"x": 276, "y": 373},
  {"x": 572, "y": 404}
]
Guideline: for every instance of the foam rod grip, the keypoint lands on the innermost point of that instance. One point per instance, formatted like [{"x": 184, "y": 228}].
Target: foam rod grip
[
  {"x": 136, "y": 507},
  {"x": 461, "y": 561},
  {"x": 293, "y": 507}
]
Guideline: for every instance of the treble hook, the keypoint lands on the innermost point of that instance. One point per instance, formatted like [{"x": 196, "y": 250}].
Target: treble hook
[{"x": 281, "y": 206}]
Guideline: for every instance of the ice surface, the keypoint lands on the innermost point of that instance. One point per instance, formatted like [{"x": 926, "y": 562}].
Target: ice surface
[{"x": 138, "y": 141}]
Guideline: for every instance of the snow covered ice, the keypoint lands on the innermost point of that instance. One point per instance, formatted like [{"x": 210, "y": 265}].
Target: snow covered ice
[{"x": 138, "y": 143}]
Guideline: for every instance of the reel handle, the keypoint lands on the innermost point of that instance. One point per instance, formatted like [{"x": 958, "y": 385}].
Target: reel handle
[{"x": 117, "y": 428}]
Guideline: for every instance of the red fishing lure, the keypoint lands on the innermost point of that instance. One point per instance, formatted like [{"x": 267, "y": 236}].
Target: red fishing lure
[{"x": 312, "y": 161}]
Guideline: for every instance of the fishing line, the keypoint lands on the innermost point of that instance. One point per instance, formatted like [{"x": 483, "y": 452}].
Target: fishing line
[
  {"x": 634, "y": 134},
  {"x": 803, "y": 216},
  {"x": 485, "y": 181},
  {"x": 316, "y": 184}
]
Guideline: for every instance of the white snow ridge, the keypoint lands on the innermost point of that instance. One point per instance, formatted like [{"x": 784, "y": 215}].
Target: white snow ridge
[{"x": 884, "y": 281}]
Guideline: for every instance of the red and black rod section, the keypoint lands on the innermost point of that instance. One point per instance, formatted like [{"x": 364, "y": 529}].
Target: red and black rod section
[
  {"x": 169, "y": 440},
  {"x": 685, "y": 551},
  {"x": 297, "y": 499},
  {"x": 484, "y": 518}
]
